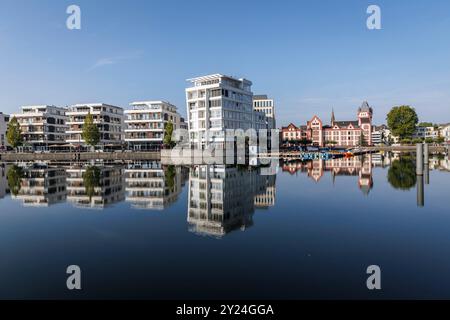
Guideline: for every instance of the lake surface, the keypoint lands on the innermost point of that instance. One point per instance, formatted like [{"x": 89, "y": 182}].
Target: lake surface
[{"x": 143, "y": 230}]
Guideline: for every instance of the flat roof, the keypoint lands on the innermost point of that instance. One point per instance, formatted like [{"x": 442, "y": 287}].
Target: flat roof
[{"x": 215, "y": 76}]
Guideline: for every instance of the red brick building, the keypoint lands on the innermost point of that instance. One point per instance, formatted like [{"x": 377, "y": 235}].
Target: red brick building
[{"x": 338, "y": 133}]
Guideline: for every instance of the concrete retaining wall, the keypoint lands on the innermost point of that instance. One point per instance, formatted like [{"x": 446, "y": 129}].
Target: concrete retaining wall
[{"x": 72, "y": 156}]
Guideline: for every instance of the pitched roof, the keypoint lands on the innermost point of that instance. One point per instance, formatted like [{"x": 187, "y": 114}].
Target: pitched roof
[{"x": 346, "y": 123}]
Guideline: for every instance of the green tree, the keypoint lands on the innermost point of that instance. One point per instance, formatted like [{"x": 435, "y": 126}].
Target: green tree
[
  {"x": 91, "y": 180},
  {"x": 90, "y": 133},
  {"x": 169, "y": 177},
  {"x": 440, "y": 140},
  {"x": 168, "y": 130},
  {"x": 305, "y": 142},
  {"x": 425, "y": 124},
  {"x": 13, "y": 133},
  {"x": 15, "y": 175},
  {"x": 402, "y": 121},
  {"x": 402, "y": 174},
  {"x": 429, "y": 140}
]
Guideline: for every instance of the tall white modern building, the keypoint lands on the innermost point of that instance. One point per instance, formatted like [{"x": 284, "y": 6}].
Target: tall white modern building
[
  {"x": 146, "y": 121},
  {"x": 216, "y": 103},
  {"x": 4, "y": 119},
  {"x": 266, "y": 105},
  {"x": 108, "y": 118},
  {"x": 42, "y": 126}
]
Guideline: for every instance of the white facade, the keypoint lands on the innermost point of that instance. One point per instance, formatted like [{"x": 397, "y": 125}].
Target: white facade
[
  {"x": 426, "y": 133},
  {"x": 42, "y": 126},
  {"x": 109, "y": 119},
  {"x": 4, "y": 119},
  {"x": 146, "y": 121},
  {"x": 263, "y": 104},
  {"x": 445, "y": 133},
  {"x": 216, "y": 103}
]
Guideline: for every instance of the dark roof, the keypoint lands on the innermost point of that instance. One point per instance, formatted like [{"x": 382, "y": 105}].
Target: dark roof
[
  {"x": 365, "y": 107},
  {"x": 346, "y": 123},
  {"x": 260, "y": 97}
]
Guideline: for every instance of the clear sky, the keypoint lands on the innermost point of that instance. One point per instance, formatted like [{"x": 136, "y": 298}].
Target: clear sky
[{"x": 310, "y": 56}]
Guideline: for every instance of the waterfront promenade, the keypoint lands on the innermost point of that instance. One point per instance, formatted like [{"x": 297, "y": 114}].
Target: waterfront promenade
[{"x": 156, "y": 155}]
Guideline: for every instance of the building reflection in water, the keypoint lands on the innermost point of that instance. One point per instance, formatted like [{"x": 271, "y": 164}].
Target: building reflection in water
[
  {"x": 223, "y": 199},
  {"x": 41, "y": 185},
  {"x": 360, "y": 167},
  {"x": 95, "y": 187},
  {"x": 149, "y": 185},
  {"x": 4, "y": 189}
]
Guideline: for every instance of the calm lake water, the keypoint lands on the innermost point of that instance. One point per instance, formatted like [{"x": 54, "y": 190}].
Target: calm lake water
[{"x": 143, "y": 230}]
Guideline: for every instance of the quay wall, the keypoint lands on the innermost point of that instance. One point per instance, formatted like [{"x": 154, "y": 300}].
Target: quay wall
[{"x": 83, "y": 156}]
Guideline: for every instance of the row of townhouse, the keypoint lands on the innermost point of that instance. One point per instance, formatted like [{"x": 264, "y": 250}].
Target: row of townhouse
[
  {"x": 141, "y": 127},
  {"x": 214, "y": 104}
]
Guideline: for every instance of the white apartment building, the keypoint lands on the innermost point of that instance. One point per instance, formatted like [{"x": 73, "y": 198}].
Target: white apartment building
[
  {"x": 426, "y": 133},
  {"x": 108, "y": 118},
  {"x": 445, "y": 133},
  {"x": 42, "y": 126},
  {"x": 216, "y": 103},
  {"x": 263, "y": 104},
  {"x": 4, "y": 119},
  {"x": 146, "y": 121}
]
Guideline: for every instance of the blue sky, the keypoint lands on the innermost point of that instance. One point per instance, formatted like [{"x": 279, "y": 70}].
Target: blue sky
[{"x": 310, "y": 56}]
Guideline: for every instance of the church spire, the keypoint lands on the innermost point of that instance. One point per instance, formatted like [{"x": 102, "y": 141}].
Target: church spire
[{"x": 332, "y": 117}]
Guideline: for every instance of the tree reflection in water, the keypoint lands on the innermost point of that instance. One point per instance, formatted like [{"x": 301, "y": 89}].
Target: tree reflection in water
[
  {"x": 91, "y": 180},
  {"x": 15, "y": 175},
  {"x": 402, "y": 173}
]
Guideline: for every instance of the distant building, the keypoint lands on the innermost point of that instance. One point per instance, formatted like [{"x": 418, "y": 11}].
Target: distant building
[
  {"x": 108, "y": 118},
  {"x": 293, "y": 133},
  {"x": 338, "y": 133},
  {"x": 42, "y": 126},
  {"x": 216, "y": 103},
  {"x": 426, "y": 133},
  {"x": 445, "y": 132},
  {"x": 4, "y": 119},
  {"x": 263, "y": 104},
  {"x": 380, "y": 135},
  {"x": 146, "y": 121}
]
